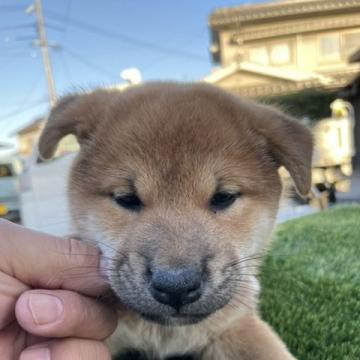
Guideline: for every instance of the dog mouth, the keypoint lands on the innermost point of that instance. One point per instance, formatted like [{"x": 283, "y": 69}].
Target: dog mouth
[
  {"x": 177, "y": 319},
  {"x": 172, "y": 319}
]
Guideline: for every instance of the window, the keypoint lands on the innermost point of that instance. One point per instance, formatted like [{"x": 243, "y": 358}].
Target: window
[
  {"x": 259, "y": 55},
  {"x": 280, "y": 54},
  {"x": 351, "y": 43},
  {"x": 329, "y": 47},
  {"x": 273, "y": 53},
  {"x": 5, "y": 171}
]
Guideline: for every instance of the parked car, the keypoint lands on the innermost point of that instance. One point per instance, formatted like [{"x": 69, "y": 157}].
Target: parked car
[{"x": 10, "y": 169}]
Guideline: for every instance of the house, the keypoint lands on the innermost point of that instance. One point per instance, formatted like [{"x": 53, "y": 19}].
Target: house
[
  {"x": 27, "y": 138},
  {"x": 282, "y": 47}
]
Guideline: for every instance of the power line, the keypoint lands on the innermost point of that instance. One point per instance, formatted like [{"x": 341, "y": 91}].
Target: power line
[
  {"x": 15, "y": 27},
  {"x": 88, "y": 63},
  {"x": 11, "y": 60},
  {"x": 67, "y": 13},
  {"x": 11, "y": 46},
  {"x": 22, "y": 110},
  {"x": 19, "y": 104},
  {"x": 29, "y": 93},
  {"x": 160, "y": 59},
  {"x": 124, "y": 38},
  {"x": 55, "y": 27},
  {"x": 24, "y": 104},
  {"x": 13, "y": 55},
  {"x": 11, "y": 8},
  {"x": 65, "y": 67},
  {"x": 5, "y": 129}
]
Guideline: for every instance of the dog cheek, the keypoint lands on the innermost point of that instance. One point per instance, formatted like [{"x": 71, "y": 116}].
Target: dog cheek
[
  {"x": 90, "y": 227},
  {"x": 247, "y": 229},
  {"x": 262, "y": 230}
]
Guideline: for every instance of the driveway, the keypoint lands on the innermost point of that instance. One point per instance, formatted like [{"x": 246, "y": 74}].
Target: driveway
[{"x": 354, "y": 194}]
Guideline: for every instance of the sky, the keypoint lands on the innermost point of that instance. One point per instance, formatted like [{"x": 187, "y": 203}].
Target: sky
[{"x": 94, "y": 41}]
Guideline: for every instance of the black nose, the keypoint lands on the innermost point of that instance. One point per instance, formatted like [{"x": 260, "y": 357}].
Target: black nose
[{"x": 176, "y": 287}]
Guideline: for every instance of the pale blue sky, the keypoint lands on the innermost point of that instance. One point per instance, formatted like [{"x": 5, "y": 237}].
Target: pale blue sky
[{"x": 164, "y": 39}]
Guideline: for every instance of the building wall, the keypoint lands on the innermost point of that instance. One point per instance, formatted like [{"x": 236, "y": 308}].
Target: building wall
[
  {"x": 28, "y": 141},
  {"x": 311, "y": 40}
]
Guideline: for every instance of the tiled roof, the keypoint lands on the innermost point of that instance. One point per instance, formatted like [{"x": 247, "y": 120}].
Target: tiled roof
[
  {"x": 282, "y": 89},
  {"x": 246, "y": 13},
  {"x": 33, "y": 125},
  {"x": 339, "y": 80}
]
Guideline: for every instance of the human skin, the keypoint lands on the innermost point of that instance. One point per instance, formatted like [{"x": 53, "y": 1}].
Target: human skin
[{"x": 48, "y": 298}]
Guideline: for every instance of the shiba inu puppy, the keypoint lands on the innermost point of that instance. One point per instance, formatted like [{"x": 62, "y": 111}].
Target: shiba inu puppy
[{"x": 178, "y": 186}]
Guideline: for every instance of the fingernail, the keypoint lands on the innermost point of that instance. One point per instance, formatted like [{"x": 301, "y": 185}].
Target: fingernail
[
  {"x": 35, "y": 354},
  {"x": 45, "y": 309}
]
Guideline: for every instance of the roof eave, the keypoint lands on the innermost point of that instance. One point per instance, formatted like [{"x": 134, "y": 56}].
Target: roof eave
[{"x": 239, "y": 15}]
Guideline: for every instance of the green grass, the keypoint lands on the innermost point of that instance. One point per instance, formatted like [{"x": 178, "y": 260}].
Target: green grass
[{"x": 311, "y": 285}]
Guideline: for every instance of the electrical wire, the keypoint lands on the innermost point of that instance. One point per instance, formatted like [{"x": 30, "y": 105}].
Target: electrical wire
[
  {"x": 11, "y": 8},
  {"x": 22, "y": 109},
  {"x": 88, "y": 63},
  {"x": 125, "y": 38},
  {"x": 65, "y": 67},
  {"x": 24, "y": 106},
  {"x": 67, "y": 13},
  {"x": 12, "y": 58},
  {"x": 15, "y": 27},
  {"x": 5, "y": 129}
]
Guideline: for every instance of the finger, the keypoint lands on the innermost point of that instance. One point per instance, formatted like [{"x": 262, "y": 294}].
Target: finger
[
  {"x": 65, "y": 349},
  {"x": 12, "y": 341},
  {"x": 61, "y": 313},
  {"x": 45, "y": 261},
  {"x": 10, "y": 289}
]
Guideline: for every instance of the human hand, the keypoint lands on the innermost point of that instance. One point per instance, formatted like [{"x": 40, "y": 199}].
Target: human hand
[{"x": 48, "y": 309}]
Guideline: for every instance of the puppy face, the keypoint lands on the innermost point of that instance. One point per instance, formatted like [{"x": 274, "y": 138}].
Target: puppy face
[{"x": 178, "y": 186}]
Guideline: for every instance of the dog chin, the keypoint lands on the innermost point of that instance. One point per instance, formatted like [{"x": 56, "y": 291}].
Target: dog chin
[{"x": 175, "y": 320}]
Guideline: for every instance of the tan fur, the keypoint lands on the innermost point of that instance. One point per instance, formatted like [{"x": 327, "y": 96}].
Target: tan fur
[{"x": 176, "y": 144}]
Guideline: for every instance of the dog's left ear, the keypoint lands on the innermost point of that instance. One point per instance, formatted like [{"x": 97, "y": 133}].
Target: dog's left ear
[{"x": 289, "y": 142}]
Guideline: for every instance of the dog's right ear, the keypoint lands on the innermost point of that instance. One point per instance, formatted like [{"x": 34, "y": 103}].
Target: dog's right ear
[{"x": 73, "y": 114}]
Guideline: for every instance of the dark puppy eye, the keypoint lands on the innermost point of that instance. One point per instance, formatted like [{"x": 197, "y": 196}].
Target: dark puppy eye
[
  {"x": 129, "y": 202},
  {"x": 222, "y": 200}
]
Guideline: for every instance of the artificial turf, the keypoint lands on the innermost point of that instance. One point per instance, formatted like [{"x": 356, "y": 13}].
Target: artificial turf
[{"x": 311, "y": 285}]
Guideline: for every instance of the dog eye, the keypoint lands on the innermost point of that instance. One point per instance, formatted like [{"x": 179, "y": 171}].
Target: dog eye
[
  {"x": 129, "y": 202},
  {"x": 222, "y": 200}
]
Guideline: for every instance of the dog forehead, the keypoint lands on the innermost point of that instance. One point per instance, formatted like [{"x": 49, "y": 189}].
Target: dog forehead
[
  {"x": 171, "y": 128},
  {"x": 172, "y": 117},
  {"x": 180, "y": 137}
]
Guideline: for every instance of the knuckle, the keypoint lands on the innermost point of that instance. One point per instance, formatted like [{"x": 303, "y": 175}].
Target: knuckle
[{"x": 77, "y": 252}]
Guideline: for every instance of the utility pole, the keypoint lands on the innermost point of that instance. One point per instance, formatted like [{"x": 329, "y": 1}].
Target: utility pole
[{"x": 42, "y": 42}]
